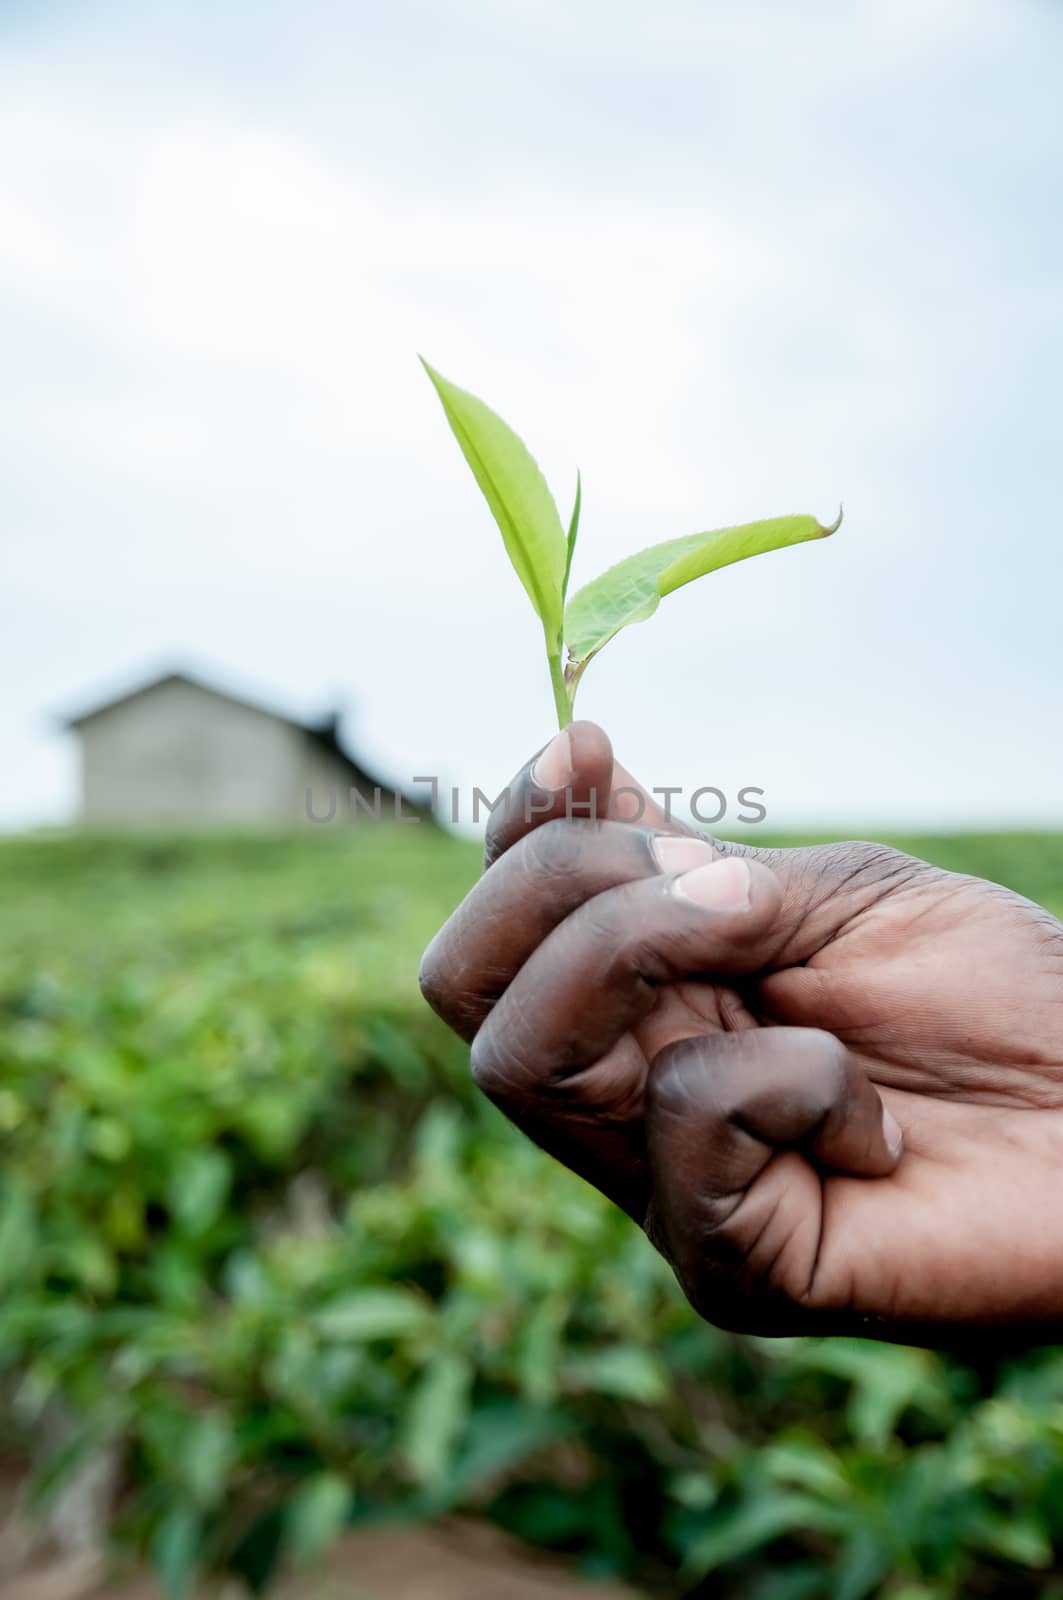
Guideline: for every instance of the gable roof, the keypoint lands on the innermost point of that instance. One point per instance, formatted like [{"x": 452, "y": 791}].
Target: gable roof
[
  {"x": 98, "y": 709},
  {"x": 324, "y": 733}
]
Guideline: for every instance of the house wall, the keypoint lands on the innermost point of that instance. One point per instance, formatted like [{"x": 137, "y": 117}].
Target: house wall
[{"x": 178, "y": 754}]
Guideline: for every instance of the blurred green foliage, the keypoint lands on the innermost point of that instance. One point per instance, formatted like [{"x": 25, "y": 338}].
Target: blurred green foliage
[{"x": 256, "y": 1228}]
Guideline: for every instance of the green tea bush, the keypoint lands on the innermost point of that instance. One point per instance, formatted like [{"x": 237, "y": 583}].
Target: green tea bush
[{"x": 258, "y": 1233}]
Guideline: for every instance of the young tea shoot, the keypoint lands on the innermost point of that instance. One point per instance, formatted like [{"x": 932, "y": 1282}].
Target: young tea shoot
[{"x": 541, "y": 550}]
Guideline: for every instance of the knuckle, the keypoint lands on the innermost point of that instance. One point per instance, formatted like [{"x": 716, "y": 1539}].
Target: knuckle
[
  {"x": 482, "y": 1067},
  {"x": 445, "y": 988},
  {"x": 492, "y": 1069},
  {"x": 670, "y": 1086},
  {"x": 432, "y": 979},
  {"x": 555, "y": 849}
]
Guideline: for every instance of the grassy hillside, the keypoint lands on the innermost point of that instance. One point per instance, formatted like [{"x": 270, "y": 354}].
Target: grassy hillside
[
  {"x": 157, "y": 891},
  {"x": 256, "y": 1228}
]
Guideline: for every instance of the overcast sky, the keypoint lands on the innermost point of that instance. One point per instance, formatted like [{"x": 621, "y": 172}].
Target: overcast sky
[{"x": 730, "y": 261}]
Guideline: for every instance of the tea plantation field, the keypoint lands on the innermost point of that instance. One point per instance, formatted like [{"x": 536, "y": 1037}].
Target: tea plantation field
[{"x": 258, "y": 1232}]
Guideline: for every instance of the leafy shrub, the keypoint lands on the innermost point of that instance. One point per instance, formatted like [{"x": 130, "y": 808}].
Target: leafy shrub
[{"x": 256, "y": 1230}]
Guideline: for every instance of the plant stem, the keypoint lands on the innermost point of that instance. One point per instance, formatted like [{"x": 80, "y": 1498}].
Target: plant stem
[{"x": 562, "y": 703}]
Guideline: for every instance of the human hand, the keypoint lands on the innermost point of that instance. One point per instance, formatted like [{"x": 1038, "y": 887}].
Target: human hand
[{"x": 715, "y": 1047}]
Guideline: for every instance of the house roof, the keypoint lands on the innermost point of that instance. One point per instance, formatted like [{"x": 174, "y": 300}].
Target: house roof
[{"x": 325, "y": 733}]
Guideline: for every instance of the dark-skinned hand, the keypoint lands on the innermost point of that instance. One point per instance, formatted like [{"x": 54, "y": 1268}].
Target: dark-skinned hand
[{"x": 828, "y": 1082}]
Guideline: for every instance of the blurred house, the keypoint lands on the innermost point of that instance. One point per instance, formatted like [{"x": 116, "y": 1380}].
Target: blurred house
[{"x": 178, "y": 750}]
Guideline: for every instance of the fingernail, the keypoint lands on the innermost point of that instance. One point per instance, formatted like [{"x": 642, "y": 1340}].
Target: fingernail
[
  {"x": 892, "y": 1132},
  {"x": 721, "y": 886},
  {"x": 681, "y": 855},
  {"x": 553, "y": 768}
]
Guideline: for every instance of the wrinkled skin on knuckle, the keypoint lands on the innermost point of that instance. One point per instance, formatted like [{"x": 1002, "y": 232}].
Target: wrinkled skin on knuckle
[
  {"x": 554, "y": 850},
  {"x": 493, "y": 1074},
  {"x": 558, "y": 851},
  {"x": 431, "y": 979},
  {"x": 446, "y": 990}
]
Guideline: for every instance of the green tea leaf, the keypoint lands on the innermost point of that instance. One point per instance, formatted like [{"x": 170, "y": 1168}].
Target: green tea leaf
[
  {"x": 1019, "y": 1537},
  {"x": 632, "y": 590},
  {"x": 751, "y": 1526},
  {"x": 573, "y": 531},
  {"x": 175, "y": 1551},
  {"x": 501, "y": 1434},
  {"x": 436, "y": 1415},
  {"x": 199, "y": 1189},
  {"x": 802, "y": 1461},
  {"x": 18, "y": 1232},
  {"x": 372, "y": 1313},
  {"x": 316, "y": 1515},
  {"x": 865, "y": 1559},
  {"x": 624, "y": 1370},
  {"x": 204, "y": 1456},
  {"x": 517, "y": 493},
  {"x": 538, "y": 1349},
  {"x": 885, "y": 1380}
]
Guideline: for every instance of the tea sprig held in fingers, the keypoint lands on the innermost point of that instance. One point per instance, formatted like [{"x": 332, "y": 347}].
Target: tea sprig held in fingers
[{"x": 541, "y": 550}]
